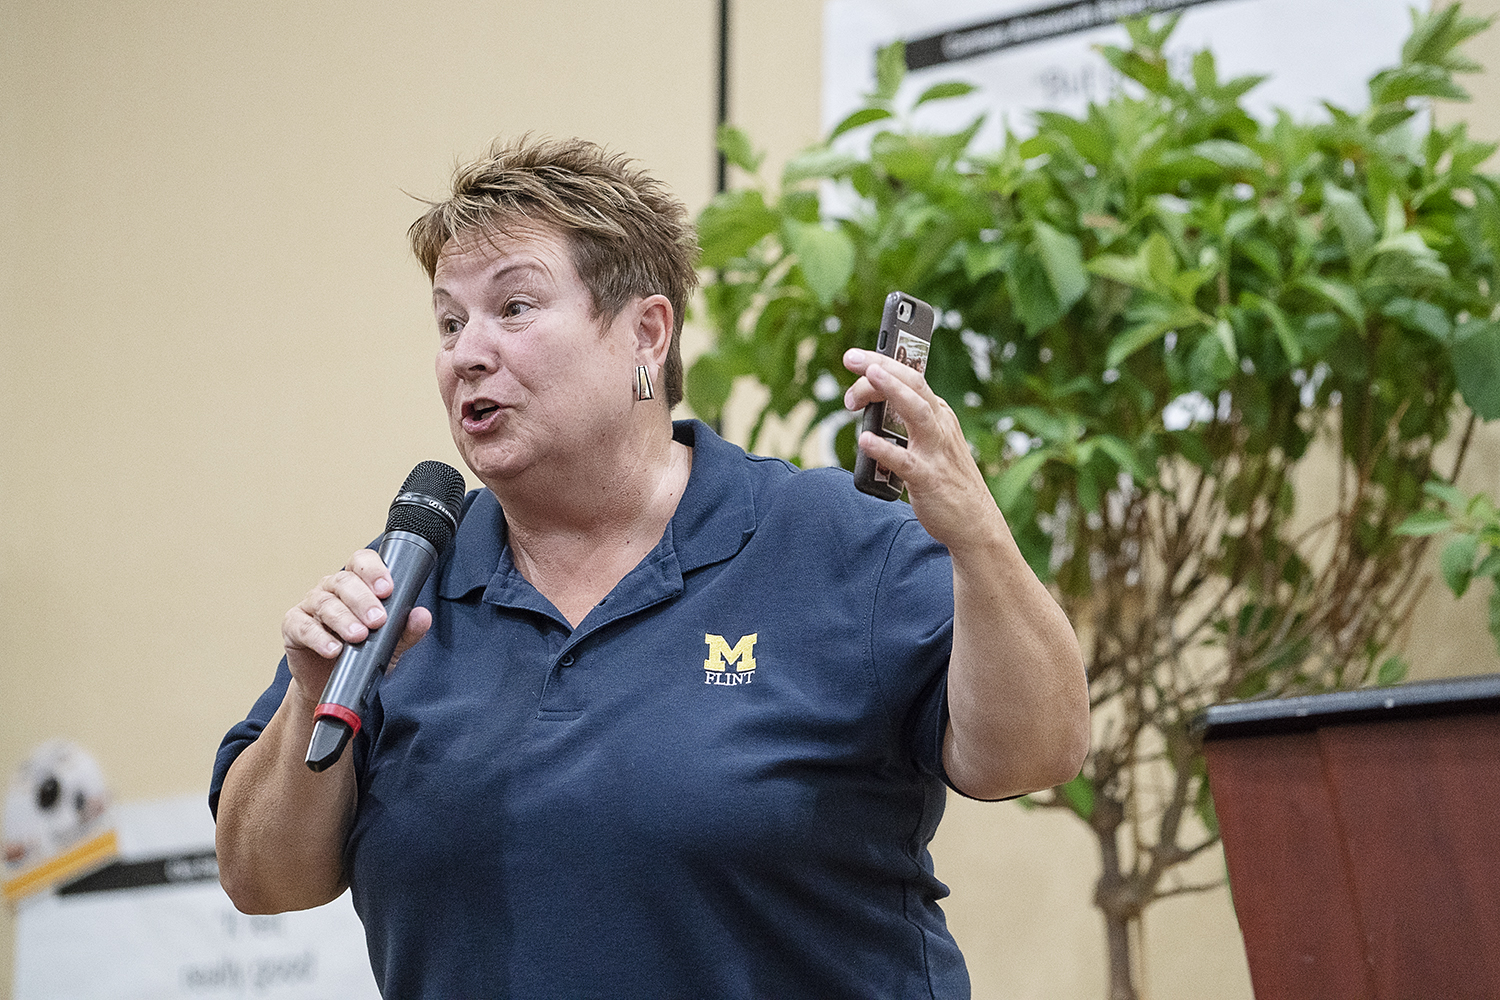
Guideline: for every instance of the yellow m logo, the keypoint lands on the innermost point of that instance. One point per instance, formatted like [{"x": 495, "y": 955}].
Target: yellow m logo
[{"x": 721, "y": 655}]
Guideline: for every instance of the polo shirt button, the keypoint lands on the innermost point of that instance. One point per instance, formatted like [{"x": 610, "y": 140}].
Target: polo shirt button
[{"x": 567, "y": 660}]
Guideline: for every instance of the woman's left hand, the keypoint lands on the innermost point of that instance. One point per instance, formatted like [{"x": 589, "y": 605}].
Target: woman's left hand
[{"x": 947, "y": 491}]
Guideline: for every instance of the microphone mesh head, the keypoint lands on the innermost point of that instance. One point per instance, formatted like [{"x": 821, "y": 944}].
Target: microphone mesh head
[{"x": 429, "y": 503}]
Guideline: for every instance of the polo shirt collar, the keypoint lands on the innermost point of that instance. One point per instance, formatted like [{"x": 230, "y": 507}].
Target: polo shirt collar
[
  {"x": 714, "y": 520},
  {"x": 716, "y": 515}
]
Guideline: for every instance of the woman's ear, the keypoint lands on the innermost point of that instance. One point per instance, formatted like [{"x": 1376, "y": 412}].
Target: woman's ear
[{"x": 653, "y": 330}]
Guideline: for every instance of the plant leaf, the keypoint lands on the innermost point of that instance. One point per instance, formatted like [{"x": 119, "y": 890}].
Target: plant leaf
[
  {"x": 1356, "y": 228},
  {"x": 817, "y": 163},
  {"x": 1133, "y": 339},
  {"x": 1476, "y": 363},
  {"x": 708, "y": 386},
  {"x": 1063, "y": 260},
  {"x": 1228, "y": 155},
  {"x": 1083, "y": 136},
  {"x": 1392, "y": 671},
  {"x": 1160, "y": 258},
  {"x": 826, "y": 256},
  {"x": 731, "y": 224},
  {"x": 1407, "y": 242},
  {"x": 1126, "y": 457},
  {"x": 1495, "y": 615},
  {"x": 1424, "y": 522},
  {"x": 1129, "y": 271},
  {"x": 1343, "y": 296},
  {"x": 944, "y": 91},
  {"x": 1447, "y": 493},
  {"x": 1032, "y": 293},
  {"x": 735, "y": 145},
  {"x": 1457, "y": 562},
  {"x": 863, "y": 116},
  {"x": 1395, "y": 86},
  {"x": 1224, "y": 330},
  {"x": 1016, "y": 479},
  {"x": 1291, "y": 345},
  {"x": 1426, "y": 317},
  {"x": 1079, "y": 795},
  {"x": 1149, "y": 69},
  {"x": 890, "y": 70}
]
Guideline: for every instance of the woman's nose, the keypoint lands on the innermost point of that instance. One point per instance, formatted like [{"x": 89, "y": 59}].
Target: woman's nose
[{"x": 474, "y": 351}]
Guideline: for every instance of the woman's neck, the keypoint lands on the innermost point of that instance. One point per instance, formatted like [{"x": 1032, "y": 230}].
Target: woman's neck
[{"x": 574, "y": 542}]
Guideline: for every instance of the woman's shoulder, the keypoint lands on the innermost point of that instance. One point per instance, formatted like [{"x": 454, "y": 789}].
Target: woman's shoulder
[
  {"x": 785, "y": 495},
  {"x": 827, "y": 497}
]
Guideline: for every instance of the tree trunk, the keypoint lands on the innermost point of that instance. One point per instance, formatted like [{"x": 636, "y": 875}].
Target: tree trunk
[
  {"x": 1117, "y": 897},
  {"x": 1121, "y": 975}
]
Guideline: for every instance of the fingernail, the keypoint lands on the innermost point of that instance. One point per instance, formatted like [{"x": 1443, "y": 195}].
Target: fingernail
[
  {"x": 373, "y": 615},
  {"x": 330, "y": 647}
]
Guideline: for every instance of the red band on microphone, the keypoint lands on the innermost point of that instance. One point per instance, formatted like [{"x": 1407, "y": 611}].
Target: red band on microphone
[{"x": 344, "y": 715}]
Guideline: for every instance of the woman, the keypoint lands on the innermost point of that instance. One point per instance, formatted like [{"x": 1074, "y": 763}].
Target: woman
[{"x": 670, "y": 720}]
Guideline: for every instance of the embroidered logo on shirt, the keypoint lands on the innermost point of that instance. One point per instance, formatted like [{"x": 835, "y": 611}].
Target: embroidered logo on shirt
[{"x": 728, "y": 664}]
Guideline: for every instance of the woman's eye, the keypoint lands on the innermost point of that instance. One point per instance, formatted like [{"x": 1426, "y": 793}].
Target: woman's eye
[
  {"x": 516, "y": 308},
  {"x": 451, "y": 326}
]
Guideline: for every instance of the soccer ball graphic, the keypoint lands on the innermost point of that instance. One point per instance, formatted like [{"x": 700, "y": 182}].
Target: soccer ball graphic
[{"x": 57, "y": 798}]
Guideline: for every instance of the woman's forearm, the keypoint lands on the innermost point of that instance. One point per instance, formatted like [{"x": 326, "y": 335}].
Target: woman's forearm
[
  {"x": 1017, "y": 693},
  {"x": 281, "y": 827}
]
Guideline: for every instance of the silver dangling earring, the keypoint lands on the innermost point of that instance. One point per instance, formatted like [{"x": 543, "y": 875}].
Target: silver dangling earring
[{"x": 643, "y": 390}]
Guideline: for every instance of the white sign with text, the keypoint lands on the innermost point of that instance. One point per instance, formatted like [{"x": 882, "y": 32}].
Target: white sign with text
[
  {"x": 1027, "y": 56},
  {"x": 156, "y": 925}
]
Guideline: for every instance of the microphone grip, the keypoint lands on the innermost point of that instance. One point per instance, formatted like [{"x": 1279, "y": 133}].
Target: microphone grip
[{"x": 410, "y": 558}]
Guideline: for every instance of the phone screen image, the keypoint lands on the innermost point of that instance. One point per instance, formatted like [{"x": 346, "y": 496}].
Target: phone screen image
[{"x": 911, "y": 351}]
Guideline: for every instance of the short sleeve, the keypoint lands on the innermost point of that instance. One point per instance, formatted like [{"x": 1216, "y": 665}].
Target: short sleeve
[
  {"x": 912, "y": 641},
  {"x": 246, "y": 732}
]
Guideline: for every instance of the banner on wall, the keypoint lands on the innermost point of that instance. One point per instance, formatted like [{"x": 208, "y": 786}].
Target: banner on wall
[
  {"x": 154, "y": 924},
  {"x": 1025, "y": 55}
]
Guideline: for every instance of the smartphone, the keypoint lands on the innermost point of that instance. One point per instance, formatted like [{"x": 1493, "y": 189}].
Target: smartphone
[{"x": 906, "y": 335}]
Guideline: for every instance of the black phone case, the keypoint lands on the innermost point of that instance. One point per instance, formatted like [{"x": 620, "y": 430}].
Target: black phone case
[{"x": 908, "y": 338}]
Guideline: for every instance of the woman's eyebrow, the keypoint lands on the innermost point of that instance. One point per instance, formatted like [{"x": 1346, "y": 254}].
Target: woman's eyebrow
[{"x": 506, "y": 270}]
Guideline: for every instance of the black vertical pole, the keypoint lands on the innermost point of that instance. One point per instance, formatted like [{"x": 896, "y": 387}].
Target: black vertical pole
[{"x": 723, "y": 88}]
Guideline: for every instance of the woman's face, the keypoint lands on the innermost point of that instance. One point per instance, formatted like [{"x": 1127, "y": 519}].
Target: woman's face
[{"x": 532, "y": 379}]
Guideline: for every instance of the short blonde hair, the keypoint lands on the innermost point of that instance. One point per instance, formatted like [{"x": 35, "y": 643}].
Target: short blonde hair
[{"x": 628, "y": 235}]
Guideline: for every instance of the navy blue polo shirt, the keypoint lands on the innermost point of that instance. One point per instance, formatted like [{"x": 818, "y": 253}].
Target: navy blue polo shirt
[{"x": 721, "y": 784}]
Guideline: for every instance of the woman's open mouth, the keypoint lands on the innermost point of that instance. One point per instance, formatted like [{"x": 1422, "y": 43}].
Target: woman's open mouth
[{"x": 479, "y": 415}]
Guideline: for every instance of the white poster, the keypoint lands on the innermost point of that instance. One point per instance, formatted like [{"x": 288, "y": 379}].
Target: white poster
[
  {"x": 1026, "y": 55},
  {"x": 154, "y": 924}
]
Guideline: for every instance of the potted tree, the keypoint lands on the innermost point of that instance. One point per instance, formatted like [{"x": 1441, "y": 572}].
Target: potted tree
[{"x": 1155, "y": 318}]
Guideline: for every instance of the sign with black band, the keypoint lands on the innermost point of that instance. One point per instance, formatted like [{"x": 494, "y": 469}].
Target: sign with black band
[
  {"x": 1030, "y": 26},
  {"x": 172, "y": 869}
]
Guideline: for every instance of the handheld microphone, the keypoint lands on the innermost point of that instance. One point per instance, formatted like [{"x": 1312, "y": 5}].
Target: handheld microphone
[{"x": 422, "y": 521}]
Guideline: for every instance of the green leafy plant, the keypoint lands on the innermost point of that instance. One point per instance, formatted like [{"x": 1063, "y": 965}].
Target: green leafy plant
[
  {"x": 1160, "y": 321},
  {"x": 1473, "y": 550}
]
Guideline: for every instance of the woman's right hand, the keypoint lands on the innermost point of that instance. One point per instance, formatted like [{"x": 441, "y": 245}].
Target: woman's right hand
[{"x": 343, "y": 608}]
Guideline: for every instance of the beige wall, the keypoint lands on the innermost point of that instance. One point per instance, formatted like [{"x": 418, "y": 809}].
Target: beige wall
[{"x": 215, "y": 366}]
